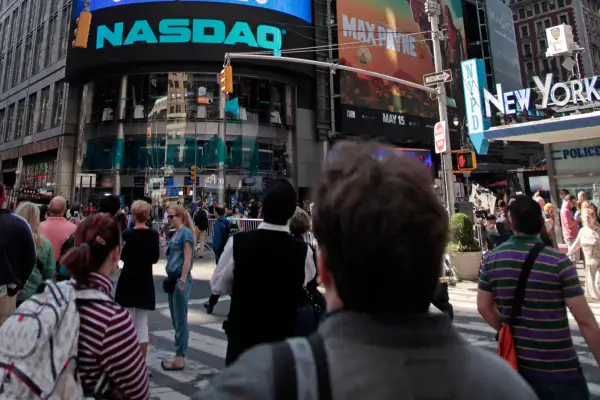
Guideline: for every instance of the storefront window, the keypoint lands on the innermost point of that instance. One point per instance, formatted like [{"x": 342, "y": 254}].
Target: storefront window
[
  {"x": 577, "y": 167},
  {"x": 38, "y": 181},
  {"x": 173, "y": 121}
]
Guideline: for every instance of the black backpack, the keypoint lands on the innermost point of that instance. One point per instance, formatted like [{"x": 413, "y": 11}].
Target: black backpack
[{"x": 201, "y": 220}]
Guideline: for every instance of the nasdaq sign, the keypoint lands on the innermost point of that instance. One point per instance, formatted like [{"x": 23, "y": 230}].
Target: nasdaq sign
[
  {"x": 474, "y": 84},
  {"x": 205, "y": 31},
  {"x": 298, "y": 8}
]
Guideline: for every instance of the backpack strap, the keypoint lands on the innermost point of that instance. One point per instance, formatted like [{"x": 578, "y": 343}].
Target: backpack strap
[
  {"x": 287, "y": 355},
  {"x": 317, "y": 346},
  {"x": 522, "y": 284}
]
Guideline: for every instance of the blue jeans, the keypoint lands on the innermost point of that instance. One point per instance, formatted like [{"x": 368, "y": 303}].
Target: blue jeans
[
  {"x": 178, "y": 305},
  {"x": 573, "y": 389}
]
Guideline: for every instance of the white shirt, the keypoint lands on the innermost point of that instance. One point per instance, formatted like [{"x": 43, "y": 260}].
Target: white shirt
[{"x": 222, "y": 279}]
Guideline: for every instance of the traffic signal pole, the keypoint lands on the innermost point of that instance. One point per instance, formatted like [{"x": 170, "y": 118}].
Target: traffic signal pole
[
  {"x": 433, "y": 10},
  {"x": 439, "y": 92},
  {"x": 332, "y": 66}
]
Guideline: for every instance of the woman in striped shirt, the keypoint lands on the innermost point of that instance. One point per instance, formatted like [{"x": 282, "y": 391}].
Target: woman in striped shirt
[{"x": 110, "y": 361}]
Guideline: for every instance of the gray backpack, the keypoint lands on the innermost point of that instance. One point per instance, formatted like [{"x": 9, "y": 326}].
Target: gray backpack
[{"x": 38, "y": 345}]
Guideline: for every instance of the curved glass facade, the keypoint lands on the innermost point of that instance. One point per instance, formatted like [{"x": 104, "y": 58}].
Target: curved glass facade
[{"x": 152, "y": 128}]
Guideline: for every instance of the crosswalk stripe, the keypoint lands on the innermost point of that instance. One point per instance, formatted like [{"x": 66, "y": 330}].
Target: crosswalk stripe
[
  {"x": 192, "y": 369},
  {"x": 197, "y": 341}
]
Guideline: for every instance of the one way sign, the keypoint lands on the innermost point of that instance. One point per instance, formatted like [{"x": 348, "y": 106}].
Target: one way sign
[{"x": 437, "y": 77}]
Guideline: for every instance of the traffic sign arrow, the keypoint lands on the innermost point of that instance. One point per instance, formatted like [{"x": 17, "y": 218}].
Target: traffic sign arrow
[{"x": 437, "y": 77}]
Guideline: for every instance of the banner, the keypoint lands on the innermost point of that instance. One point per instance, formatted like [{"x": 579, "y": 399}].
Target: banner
[{"x": 392, "y": 37}]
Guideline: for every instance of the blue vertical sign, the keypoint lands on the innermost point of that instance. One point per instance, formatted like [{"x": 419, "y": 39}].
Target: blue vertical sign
[{"x": 474, "y": 81}]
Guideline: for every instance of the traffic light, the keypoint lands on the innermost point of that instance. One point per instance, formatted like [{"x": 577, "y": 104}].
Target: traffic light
[
  {"x": 193, "y": 173},
  {"x": 463, "y": 161},
  {"x": 227, "y": 79},
  {"x": 82, "y": 32}
]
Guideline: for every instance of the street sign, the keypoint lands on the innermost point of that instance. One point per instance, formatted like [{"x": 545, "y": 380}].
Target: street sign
[
  {"x": 437, "y": 77},
  {"x": 439, "y": 137}
]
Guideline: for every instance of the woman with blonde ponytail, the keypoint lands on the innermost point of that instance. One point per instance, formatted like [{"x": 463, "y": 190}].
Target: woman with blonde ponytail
[
  {"x": 178, "y": 284},
  {"x": 45, "y": 266}
]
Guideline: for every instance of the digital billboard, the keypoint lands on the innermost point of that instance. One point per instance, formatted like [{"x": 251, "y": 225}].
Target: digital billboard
[
  {"x": 503, "y": 45},
  {"x": 297, "y": 8},
  {"x": 138, "y": 35},
  {"x": 392, "y": 38}
]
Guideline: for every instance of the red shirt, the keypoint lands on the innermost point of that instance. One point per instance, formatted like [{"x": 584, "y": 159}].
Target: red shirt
[
  {"x": 108, "y": 343},
  {"x": 566, "y": 216}
]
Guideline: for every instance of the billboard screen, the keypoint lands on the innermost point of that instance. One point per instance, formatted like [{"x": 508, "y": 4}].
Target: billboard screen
[
  {"x": 392, "y": 38},
  {"x": 296, "y": 8},
  {"x": 503, "y": 43},
  {"x": 141, "y": 36}
]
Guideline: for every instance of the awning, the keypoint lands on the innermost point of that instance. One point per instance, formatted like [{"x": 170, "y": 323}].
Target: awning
[{"x": 554, "y": 130}]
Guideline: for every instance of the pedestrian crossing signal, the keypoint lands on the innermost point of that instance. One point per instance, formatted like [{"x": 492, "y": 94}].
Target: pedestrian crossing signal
[
  {"x": 226, "y": 79},
  {"x": 463, "y": 161},
  {"x": 82, "y": 32}
]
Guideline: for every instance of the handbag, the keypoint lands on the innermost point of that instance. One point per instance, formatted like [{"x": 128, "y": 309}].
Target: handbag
[
  {"x": 506, "y": 345},
  {"x": 169, "y": 284}
]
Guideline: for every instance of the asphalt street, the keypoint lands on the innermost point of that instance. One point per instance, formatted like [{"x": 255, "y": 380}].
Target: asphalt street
[{"x": 208, "y": 341}]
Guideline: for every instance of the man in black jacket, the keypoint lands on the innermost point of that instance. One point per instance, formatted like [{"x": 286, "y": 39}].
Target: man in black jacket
[
  {"x": 271, "y": 269},
  {"x": 17, "y": 257}
]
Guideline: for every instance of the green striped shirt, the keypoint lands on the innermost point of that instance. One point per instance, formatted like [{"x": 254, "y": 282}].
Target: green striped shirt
[{"x": 542, "y": 335}]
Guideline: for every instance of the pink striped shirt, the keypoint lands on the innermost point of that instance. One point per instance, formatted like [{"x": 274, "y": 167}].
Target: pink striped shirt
[{"x": 108, "y": 343}]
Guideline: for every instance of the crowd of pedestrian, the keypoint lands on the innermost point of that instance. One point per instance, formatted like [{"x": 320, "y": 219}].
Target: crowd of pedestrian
[{"x": 346, "y": 315}]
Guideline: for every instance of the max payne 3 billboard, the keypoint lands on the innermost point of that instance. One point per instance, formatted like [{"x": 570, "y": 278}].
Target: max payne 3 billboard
[{"x": 393, "y": 38}]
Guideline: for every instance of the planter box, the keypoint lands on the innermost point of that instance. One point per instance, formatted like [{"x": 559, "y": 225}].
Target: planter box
[{"x": 467, "y": 265}]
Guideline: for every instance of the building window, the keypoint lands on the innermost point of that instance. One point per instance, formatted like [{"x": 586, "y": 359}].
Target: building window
[
  {"x": 545, "y": 66},
  {"x": 527, "y": 50},
  {"x": 7, "y": 74},
  {"x": 16, "y": 69},
  {"x": 3, "y": 130},
  {"x": 31, "y": 114},
  {"x": 7, "y": 32},
  {"x": 524, "y": 31},
  {"x": 52, "y": 31},
  {"x": 28, "y": 56},
  {"x": 544, "y": 7},
  {"x": 529, "y": 68},
  {"x": 539, "y": 27},
  {"x": 16, "y": 30},
  {"x": 542, "y": 46},
  {"x": 39, "y": 37},
  {"x": 536, "y": 8},
  {"x": 64, "y": 34},
  {"x": 547, "y": 23},
  {"x": 41, "y": 11},
  {"x": 9, "y": 122},
  {"x": 20, "y": 119},
  {"x": 43, "y": 108},
  {"x": 58, "y": 104},
  {"x": 521, "y": 13},
  {"x": 529, "y": 12},
  {"x": 563, "y": 19}
]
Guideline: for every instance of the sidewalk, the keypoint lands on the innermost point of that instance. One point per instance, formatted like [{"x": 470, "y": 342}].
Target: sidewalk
[{"x": 472, "y": 285}]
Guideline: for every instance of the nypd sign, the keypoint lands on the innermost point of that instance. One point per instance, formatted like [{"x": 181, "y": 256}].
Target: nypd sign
[{"x": 183, "y": 30}]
